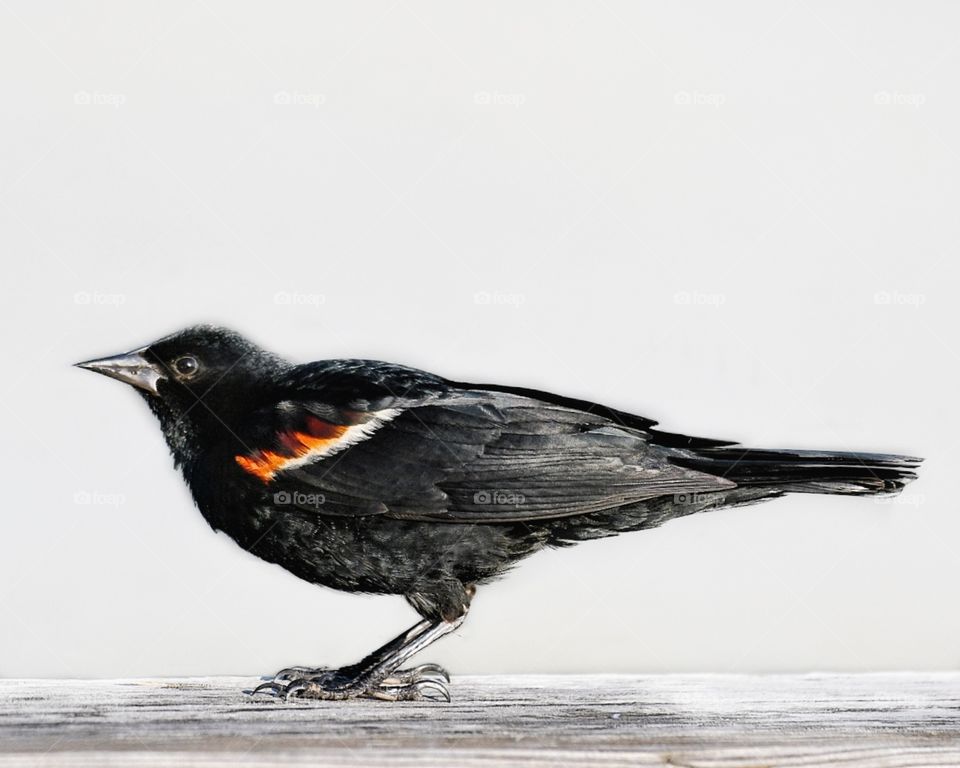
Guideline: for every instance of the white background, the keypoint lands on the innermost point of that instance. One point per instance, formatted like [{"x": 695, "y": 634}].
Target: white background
[{"x": 738, "y": 218}]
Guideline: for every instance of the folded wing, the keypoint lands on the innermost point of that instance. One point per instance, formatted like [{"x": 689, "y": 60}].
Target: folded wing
[{"x": 394, "y": 444}]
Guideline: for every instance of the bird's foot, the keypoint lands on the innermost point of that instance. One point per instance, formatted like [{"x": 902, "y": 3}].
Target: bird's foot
[{"x": 426, "y": 682}]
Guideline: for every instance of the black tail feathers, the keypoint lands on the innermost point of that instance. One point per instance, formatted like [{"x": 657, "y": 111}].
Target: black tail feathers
[{"x": 788, "y": 471}]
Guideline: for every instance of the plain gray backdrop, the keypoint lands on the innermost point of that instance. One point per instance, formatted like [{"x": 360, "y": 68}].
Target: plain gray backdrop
[{"x": 737, "y": 218}]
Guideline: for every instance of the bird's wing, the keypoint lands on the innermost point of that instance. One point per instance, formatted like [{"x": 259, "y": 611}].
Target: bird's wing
[{"x": 387, "y": 440}]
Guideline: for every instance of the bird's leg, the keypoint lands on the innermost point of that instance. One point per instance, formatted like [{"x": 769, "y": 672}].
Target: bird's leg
[
  {"x": 426, "y": 681},
  {"x": 378, "y": 675},
  {"x": 292, "y": 673}
]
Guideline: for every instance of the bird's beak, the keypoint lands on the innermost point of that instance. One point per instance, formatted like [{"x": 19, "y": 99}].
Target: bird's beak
[{"x": 132, "y": 368}]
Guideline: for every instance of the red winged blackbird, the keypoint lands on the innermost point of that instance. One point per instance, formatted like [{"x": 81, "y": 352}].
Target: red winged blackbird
[{"x": 372, "y": 477}]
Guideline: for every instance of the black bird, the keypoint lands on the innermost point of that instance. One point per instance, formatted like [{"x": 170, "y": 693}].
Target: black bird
[{"x": 372, "y": 477}]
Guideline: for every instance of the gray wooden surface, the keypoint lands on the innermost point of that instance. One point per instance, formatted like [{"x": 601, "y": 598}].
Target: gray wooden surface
[{"x": 716, "y": 721}]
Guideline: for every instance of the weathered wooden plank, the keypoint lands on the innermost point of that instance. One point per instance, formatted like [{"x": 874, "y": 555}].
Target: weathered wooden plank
[{"x": 707, "y": 721}]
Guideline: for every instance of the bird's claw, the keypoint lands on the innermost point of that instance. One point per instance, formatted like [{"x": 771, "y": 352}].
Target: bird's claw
[
  {"x": 426, "y": 682},
  {"x": 403, "y": 677},
  {"x": 423, "y": 690},
  {"x": 434, "y": 669},
  {"x": 270, "y": 689},
  {"x": 293, "y": 673}
]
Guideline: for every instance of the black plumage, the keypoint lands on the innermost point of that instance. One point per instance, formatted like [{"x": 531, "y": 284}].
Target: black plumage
[{"x": 367, "y": 476}]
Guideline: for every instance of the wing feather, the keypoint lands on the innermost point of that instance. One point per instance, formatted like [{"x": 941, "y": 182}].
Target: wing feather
[{"x": 494, "y": 457}]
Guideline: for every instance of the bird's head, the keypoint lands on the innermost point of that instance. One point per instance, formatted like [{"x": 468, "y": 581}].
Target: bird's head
[{"x": 198, "y": 381}]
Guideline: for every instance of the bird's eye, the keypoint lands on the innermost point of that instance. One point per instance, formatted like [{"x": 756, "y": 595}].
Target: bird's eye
[{"x": 186, "y": 366}]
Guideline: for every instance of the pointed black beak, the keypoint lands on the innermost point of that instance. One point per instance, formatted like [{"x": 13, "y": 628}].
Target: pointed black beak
[{"x": 131, "y": 368}]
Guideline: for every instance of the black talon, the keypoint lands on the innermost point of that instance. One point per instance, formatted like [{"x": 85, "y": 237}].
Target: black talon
[
  {"x": 421, "y": 672},
  {"x": 295, "y": 673},
  {"x": 425, "y": 691},
  {"x": 295, "y": 689},
  {"x": 271, "y": 688},
  {"x": 429, "y": 685},
  {"x": 404, "y": 677},
  {"x": 435, "y": 669},
  {"x": 288, "y": 671}
]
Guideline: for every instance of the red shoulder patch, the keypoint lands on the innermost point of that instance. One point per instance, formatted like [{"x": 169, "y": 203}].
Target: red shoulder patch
[
  {"x": 318, "y": 439},
  {"x": 312, "y": 439}
]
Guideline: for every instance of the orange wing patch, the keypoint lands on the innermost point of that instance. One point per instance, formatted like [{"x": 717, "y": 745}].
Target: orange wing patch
[{"x": 320, "y": 438}]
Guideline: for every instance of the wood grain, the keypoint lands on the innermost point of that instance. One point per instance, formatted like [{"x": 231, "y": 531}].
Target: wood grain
[{"x": 702, "y": 721}]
